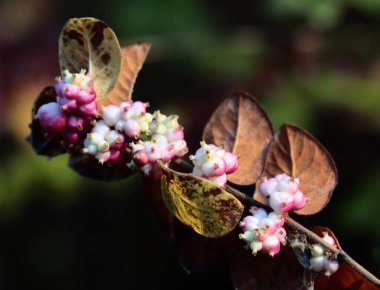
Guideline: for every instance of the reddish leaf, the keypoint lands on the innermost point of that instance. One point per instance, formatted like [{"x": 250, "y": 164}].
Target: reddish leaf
[
  {"x": 297, "y": 153},
  {"x": 133, "y": 57},
  {"x": 152, "y": 190},
  {"x": 250, "y": 272},
  {"x": 40, "y": 141},
  {"x": 198, "y": 253},
  {"x": 88, "y": 166},
  {"x": 242, "y": 127}
]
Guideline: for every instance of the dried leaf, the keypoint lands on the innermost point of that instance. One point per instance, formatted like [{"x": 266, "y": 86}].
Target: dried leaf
[
  {"x": 133, "y": 57},
  {"x": 40, "y": 141},
  {"x": 299, "y": 154},
  {"x": 242, "y": 127},
  {"x": 199, "y": 203},
  {"x": 248, "y": 272},
  {"x": 88, "y": 43},
  {"x": 88, "y": 166}
]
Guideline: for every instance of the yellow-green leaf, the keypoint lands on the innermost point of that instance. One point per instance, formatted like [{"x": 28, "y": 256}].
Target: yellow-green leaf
[
  {"x": 207, "y": 208},
  {"x": 90, "y": 44}
]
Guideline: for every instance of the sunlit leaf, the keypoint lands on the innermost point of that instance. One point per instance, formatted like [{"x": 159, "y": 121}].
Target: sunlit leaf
[
  {"x": 242, "y": 127},
  {"x": 298, "y": 153},
  {"x": 88, "y": 166},
  {"x": 88, "y": 43},
  {"x": 133, "y": 57},
  {"x": 199, "y": 203},
  {"x": 40, "y": 141}
]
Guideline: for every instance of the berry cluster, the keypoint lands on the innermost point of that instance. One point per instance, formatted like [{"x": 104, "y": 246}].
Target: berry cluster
[
  {"x": 263, "y": 231},
  {"x": 118, "y": 137},
  {"x": 282, "y": 193},
  {"x": 72, "y": 114},
  {"x": 320, "y": 261},
  {"x": 214, "y": 163},
  {"x": 166, "y": 142}
]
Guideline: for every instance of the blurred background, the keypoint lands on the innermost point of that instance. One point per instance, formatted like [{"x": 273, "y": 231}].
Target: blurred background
[{"x": 312, "y": 63}]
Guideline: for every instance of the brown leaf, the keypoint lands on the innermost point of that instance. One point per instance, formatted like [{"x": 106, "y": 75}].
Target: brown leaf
[
  {"x": 90, "y": 44},
  {"x": 298, "y": 153},
  {"x": 197, "y": 202},
  {"x": 243, "y": 128},
  {"x": 248, "y": 272},
  {"x": 133, "y": 57}
]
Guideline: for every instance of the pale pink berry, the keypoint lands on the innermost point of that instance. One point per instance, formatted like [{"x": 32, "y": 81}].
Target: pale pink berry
[
  {"x": 259, "y": 213},
  {"x": 140, "y": 158},
  {"x": 330, "y": 267},
  {"x": 281, "y": 202},
  {"x": 299, "y": 200},
  {"x": 168, "y": 153},
  {"x": 214, "y": 167},
  {"x": 329, "y": 239},
  {"x": 197, "y": 171},
  {"x": 281, "y": 235},
  {"x": 153, "y": 151},
  {"x": 131, "y": 128},
  {"x": 111, "y": 114},
  {"x": 272, "y": 245},
  {"x": 175, "y": 134},
  {"x": 103, "y": 156},
  {"x": 180, "y": 147},
  {"x": 268, "y": 186},
  {"x": 139, "y": 107},
  {"x": 59, "y": 85},
  {"x": 249, "y": 223},
  {"x": 115, "y": 139},
  {"x": 219, "y": 180},
  {"x": 101, "y": 128},
  {"x": 232, "y": 162},
  {"x": 51, "y": 118},
  {"x": 317, "y": 263},
  {"x": 277, "y": 219}
]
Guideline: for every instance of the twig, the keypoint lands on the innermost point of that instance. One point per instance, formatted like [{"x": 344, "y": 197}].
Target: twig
[{"x": 341, "y": 255}]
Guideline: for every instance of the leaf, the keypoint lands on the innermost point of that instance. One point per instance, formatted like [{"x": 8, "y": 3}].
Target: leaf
[
  {"x": 88, "y": 43},
  {"x": 298, "y": 153},
  {"x": 40, "y": 141},
  {"x": 88, "y": 166},
  {"x": 248, "y": 272},
  {"x": 133, "y": 57},
  {"x": 243, "y": 128},
  {"x": 199, "y": 203},
  {"x": 344, "y": 278},
  {"x": 164, "y": 218}
]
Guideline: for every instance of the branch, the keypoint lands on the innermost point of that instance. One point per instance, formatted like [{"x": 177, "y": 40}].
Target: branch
[{"x": 342, "y": 256}]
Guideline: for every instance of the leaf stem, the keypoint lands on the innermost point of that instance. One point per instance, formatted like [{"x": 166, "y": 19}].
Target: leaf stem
[{"x": 341, "y": 255}]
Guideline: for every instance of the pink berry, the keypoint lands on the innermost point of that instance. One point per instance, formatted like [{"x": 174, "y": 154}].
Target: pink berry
[
  {"x": 174, "y": 134},
  {"x": 281, "y": 202},
  {"x": 88, "y": 109},
  {"x": 71, "y": 91},
  {"x": 271, "y": 245},
  {"x": 131, "y": 128},
  {"x": 115, "y": 156},
  {"x": 67, "y": 105},
  {"x": 85, "y": 97},
  {"x": 153, "y": 152},
  {"x": 249, "y": 223},
  {"x": 71, "y": 137},
  {"x": 76, "y": 123},
  {"x": 214, "y": 167},
  {"x": 111, "y": 114},
  {"x": 59, "y": 85},
  {"x": 140, "y": 158},
  {"x": 51, "y": 118},
  {"x": 219, "y": 180},
  {"x": 268, "y": 187},
  {"x": 299, "y": 200},
  {"x": 232, "y": 162},
  {"x": 139, "y": 107}
]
